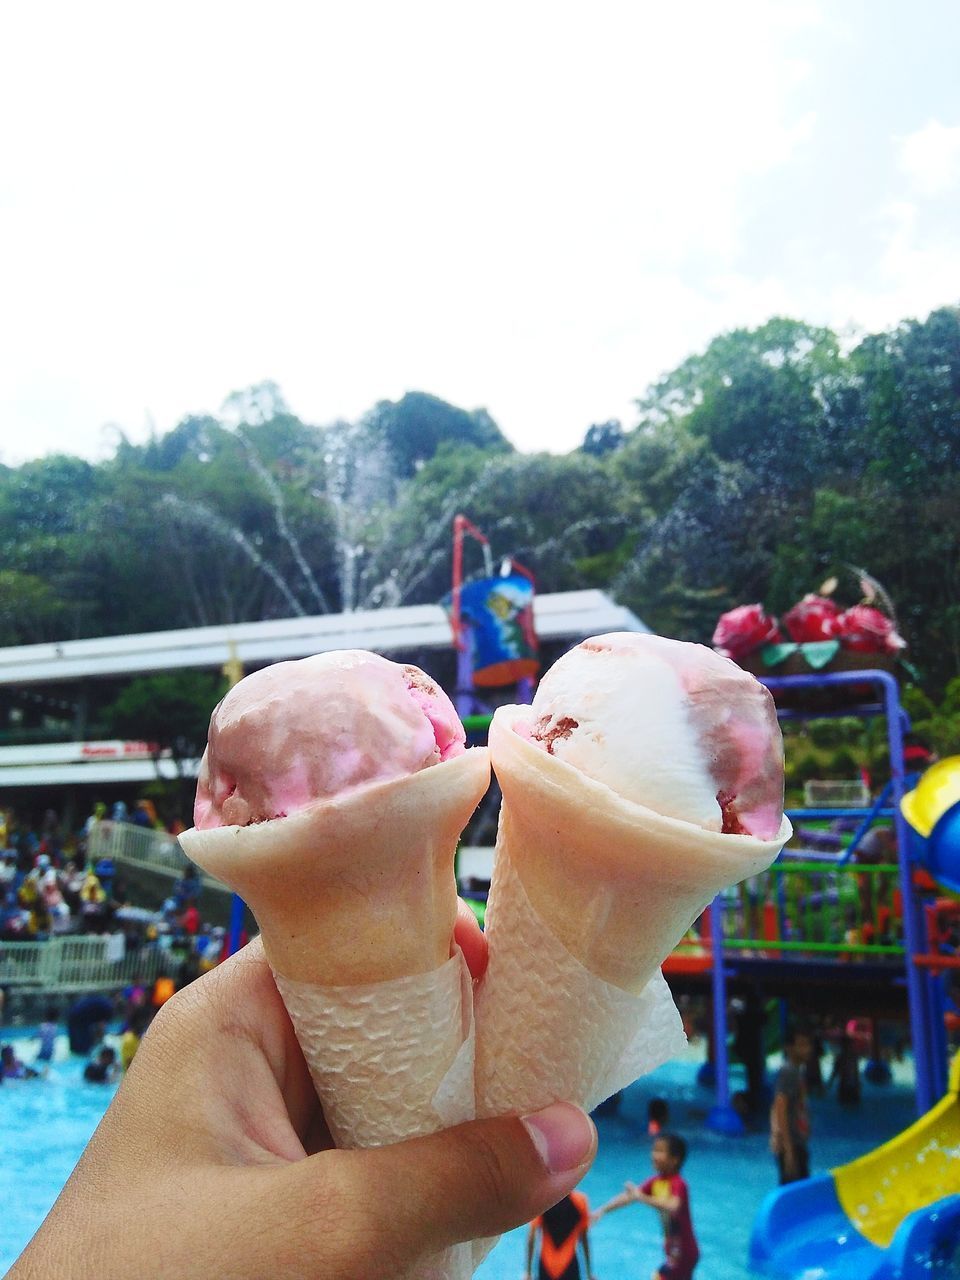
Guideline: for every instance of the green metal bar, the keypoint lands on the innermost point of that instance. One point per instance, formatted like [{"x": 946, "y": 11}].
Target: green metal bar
[
  {"x": 474, "y": 724},
  {"x": 763, "y": 944},
  {"x": 825, "y": 868}
]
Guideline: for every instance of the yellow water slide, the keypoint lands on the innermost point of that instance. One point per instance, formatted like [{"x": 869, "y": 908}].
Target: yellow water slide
[{"x": 912, "y": 1170}]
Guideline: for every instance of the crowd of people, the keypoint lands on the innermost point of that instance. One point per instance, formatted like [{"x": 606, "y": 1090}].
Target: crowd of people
[
  {"x": 52, "y": 883},
  {"x": 50, "y": 880}
]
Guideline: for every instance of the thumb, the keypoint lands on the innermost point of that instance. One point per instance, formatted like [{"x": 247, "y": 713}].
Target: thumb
[{"x": 478, "y": 1179}]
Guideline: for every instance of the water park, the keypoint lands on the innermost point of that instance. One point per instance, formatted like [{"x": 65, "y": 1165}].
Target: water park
[{"x": 854, "y": 932}]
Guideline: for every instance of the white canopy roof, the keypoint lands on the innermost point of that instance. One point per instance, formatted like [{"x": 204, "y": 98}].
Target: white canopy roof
[{"x": 561, "y": 615}]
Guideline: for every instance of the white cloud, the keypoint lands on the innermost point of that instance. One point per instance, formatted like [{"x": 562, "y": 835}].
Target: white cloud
[{"x": 930, "y": 157}]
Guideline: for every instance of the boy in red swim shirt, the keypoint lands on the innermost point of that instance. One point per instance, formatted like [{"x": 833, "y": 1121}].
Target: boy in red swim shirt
[{"x": 668, "y": 1193}]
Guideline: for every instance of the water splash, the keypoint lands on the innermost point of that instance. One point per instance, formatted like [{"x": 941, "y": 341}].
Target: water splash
[
  {"x": 197, "y": 513},
  {"x": 280, "y": 517}
]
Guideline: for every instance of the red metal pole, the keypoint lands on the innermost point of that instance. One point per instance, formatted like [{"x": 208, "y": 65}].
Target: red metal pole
[{"x": 461, "y": 525}]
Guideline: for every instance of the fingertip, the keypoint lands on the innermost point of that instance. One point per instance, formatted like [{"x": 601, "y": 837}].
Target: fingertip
[
  {"x": 470, "y": 939},
  {"x": 564, "y": 1136}
]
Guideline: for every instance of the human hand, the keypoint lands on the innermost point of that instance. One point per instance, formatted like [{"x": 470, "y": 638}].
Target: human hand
[{"x": 213, "y": 1159}]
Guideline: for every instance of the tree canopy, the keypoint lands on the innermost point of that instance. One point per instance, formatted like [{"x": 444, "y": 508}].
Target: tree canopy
[{"x": 754, "y": 470}]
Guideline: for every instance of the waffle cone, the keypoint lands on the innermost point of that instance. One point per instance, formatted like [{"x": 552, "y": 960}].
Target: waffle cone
[
  {"x": 356, "y": 902},
  {"x": 590, "y": 893}
]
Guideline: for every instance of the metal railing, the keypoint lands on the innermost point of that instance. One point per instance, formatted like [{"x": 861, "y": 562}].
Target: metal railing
[
  {"x": 823, "y": 794},
  {"x": 143, "y": 847},
  {"x": 849, "y": 912},
  {"x": 79, "y": 964}
]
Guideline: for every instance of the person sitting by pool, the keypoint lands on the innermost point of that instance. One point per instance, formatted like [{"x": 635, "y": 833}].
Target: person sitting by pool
[
  {"x": 668, "y": 1193},
  {"x": 221, "y": 1126},
  {"x": 561, "y": 1229},
  {"x": 104, "y": 1069},
  {"x": 11, "y": 1068}
]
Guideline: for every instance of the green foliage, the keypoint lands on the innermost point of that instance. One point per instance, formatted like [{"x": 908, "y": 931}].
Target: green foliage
[
  {"x": 415, "y": 427},
  {"x": 801, "y": 766},
  {"x": 843, "y": 731},
  {"x": 757, "y": 468},
  {"x": 603, "y": 437},
  {"x": 937, "y": 726},
  {"x": 171, "y": 710},
  {"x": 843, "y": 764},
  {"x": 29, "y": 608}
]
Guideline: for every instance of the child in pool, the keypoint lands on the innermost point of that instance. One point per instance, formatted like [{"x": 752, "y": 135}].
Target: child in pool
[
  {"x": 563, "y": 1233},
  {"x": 667, "y": 1192},
  {"x": 48, "y": 1039},
  {"x": 11, "y": 1068}
]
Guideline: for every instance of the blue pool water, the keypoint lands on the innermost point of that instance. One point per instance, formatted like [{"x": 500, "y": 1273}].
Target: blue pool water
[{"x": 44, "y": 1126}]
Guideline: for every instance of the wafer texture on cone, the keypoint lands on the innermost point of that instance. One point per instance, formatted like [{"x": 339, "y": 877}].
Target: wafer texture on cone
[
  {"x": 391, "y": 1060},
  {"x": 549, "y": 1030}
]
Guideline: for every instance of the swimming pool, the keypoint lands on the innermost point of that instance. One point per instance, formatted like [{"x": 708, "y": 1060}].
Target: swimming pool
[{"x": 44, "y": 1126}]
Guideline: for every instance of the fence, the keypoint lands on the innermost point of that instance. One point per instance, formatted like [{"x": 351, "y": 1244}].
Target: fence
[
  {"x": 141, "y": 847},
  {"x": 79, "y": 964},
  {"x": 811, "y": 909},
  {"x": 825, "y": 795}
]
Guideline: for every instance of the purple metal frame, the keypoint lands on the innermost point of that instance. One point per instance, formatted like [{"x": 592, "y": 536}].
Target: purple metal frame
[{"x": 923, "y": 1013}]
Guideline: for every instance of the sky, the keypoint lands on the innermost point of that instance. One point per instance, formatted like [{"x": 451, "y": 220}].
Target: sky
[{"x": 537, "y": 208}]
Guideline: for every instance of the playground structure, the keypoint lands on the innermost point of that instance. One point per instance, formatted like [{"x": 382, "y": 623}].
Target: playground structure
[
  {"x": 824, "y": 920},
  {"x": 851, "y": 936}
]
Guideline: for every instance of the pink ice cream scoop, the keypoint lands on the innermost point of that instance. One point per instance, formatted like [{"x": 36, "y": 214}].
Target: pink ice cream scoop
[
  {"x": 298, "y": 732},
  {"x": 672, "y": 726}
]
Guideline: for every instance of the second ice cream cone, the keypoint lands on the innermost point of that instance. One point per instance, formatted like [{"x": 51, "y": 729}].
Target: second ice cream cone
[{"x": 590, "y": 893}]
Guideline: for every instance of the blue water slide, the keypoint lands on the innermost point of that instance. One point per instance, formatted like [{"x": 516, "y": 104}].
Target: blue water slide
[{"x": 803, "y": 1233}]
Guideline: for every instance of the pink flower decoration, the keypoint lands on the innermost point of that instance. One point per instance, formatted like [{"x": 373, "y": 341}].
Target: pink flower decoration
[
  {"x": 813, "y": 618},
  {"x": 864, "y": 629},
  {"x": 744, "y": 629}
]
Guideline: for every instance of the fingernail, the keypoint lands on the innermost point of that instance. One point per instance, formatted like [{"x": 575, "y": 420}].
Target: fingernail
[{"x": 563, "y": 1135}]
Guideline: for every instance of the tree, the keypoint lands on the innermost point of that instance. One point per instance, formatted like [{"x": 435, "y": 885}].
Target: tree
[
  {"x": 172, "y": 712},
  {"x": 603, "y": 437},
  {"x": 415, "y": 427}
]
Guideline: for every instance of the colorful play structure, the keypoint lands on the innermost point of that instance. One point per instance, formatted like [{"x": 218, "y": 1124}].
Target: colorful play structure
[
  {"x": 827, "y": 927},
  {"x": 840, "y": 934},
  {"x": 491, "y": 619}
]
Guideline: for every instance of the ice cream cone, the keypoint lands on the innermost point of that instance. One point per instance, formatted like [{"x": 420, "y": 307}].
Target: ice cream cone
[
  {"x": 590, "y": 893},
  {"x": 356, "y": 901}
]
